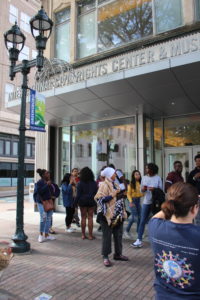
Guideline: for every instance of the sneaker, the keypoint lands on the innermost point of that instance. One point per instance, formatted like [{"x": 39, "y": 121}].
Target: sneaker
[
  {"x": 137, "y": 244},
  {"x": 50, "y": 237},
  {"x": 70, "y": 230},
  {"x": 127, "y": 235},
  {"x": 41, "y": 238}
]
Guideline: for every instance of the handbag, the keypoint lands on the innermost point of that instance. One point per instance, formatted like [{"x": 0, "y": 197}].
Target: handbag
[{"x": 48, "y": 204}]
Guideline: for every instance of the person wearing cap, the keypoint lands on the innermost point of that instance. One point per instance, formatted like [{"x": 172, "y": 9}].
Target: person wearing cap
[{"x": 111, "y": 214}]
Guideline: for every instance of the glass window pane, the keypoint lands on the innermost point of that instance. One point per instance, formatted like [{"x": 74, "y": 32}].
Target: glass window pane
[
  {"x": 28, "y": 150},
  {"x": 168, "y": 14},
  {"x": 7, "y": 148},
  {"x": 158, "y": 145},
  {"x": 182, "y": 131},
  {"x": 85, "y": 6},
  {"x": 62, "y": 41},
  {"x": 1, "y": 147},
  {"x": 86, "y": 35},
  {"x": 98, "y": 144},
  {"x": 123, "y": 21},
  {"x": 29, "y": 173},
  {"x": 198, "y": 9},
  {"x": 65, "y": 150},
  {"x": 33, "y": 150},
  {"x": 5, "y": 174},
  {"x": 15, "y": 148},
  {"x": 62, "y": 16},
  {"x": 14, "y": 174}
]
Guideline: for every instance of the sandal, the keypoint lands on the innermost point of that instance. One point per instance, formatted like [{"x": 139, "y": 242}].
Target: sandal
[
  {"x": 91, "y": 238},
  {"x": 84, "y": 237}
]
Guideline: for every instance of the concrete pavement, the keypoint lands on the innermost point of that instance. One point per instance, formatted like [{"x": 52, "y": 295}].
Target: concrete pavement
[{"x": 70, "y": 268}]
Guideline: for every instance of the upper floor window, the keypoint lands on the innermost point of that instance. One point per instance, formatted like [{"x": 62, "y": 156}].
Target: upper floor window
[
  {"x": 62, "y": 34},
  {"x": 9, "y": 88},
  {"x": 106, "y": 24},
  {"x": 168, "y": 14},
  {"x": 197, "y": 6},
  {"x": 24, "y": 54},
  {"x": 13, "y": 14},
  {"x": 86, "y": 38},
  {"x": 103, "y": 25},
  {"x": 24, "y": 22},
  {"x": 9, "y": 146},
  {"x": 34, "y": 54}
]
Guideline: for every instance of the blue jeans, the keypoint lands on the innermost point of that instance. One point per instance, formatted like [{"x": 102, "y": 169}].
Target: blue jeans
[
  {"x": 135, "y": 212},
  {"x": 146, "y": 210},
  {"x": 45, "y": 218}
]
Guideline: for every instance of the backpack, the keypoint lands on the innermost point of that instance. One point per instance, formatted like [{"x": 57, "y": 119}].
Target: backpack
[{"x": 158, "y": 197}]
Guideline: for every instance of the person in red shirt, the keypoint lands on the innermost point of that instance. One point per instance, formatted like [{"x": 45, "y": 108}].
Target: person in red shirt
[{"x": 174, "y": 176}]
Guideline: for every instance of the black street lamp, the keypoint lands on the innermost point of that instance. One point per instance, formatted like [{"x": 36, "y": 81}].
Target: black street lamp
[{"x": 41, "y": 27}]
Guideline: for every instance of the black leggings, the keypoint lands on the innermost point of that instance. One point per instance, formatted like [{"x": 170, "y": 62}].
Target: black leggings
[{"x": 69, "y": 215}]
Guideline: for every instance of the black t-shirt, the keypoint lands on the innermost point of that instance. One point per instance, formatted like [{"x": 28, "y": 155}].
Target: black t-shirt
[
  {"x": 195, "y": 182},
  {"x": 176, "y": 250}
]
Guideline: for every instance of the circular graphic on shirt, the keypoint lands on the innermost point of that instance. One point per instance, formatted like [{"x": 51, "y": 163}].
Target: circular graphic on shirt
[{"x": 174, "y": 269}]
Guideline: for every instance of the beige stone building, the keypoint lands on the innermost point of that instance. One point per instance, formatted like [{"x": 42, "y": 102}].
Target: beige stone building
[
  {"x": 133, "y": 94},
  {"x": 21, "y": 12}
]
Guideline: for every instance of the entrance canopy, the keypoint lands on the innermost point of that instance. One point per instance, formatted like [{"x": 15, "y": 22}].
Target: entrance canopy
[{"x": 163, "y": 80}]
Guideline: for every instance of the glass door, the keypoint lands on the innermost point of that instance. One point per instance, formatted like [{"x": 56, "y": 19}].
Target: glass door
[
  {"x": 183, "y": 154},
  {"x": 196, "y": 150}
]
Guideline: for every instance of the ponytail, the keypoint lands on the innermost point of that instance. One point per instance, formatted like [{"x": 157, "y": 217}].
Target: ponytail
[{"x": 181, "y": 197}]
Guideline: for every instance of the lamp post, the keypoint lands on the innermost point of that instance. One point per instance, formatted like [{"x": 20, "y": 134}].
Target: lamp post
[{"x": 41, "y": 27}]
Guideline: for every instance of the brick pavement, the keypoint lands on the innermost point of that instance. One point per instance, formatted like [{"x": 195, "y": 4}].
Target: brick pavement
[{"x": 70, "y": 268}]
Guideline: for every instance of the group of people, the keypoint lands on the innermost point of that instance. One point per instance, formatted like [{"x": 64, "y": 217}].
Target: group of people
[{"x": 174, "y": 236}]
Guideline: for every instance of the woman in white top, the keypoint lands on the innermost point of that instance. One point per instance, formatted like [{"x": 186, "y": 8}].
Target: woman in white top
[{"x": 148, "y": 184}]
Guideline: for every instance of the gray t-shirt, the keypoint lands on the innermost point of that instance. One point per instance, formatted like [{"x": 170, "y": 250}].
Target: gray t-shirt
[{"x": 150, "y": 181}]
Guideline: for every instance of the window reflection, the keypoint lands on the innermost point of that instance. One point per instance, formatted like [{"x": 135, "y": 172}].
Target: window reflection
[
  {"x": 98, "y": 144},
  {"x": 123, "y": 21},
  {"x": 182, "y": 131},
  {"x": 168, "y": 14},
  {"x": 62, "y": 34}
]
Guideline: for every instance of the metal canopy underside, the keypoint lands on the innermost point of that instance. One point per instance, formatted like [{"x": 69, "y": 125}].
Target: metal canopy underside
[{"x": 165, "y": 88}]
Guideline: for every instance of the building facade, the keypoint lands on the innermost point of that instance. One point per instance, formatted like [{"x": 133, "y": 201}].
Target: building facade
[
  {"x": 14, "y": 11},
  {"x": 125, "y": 86}
]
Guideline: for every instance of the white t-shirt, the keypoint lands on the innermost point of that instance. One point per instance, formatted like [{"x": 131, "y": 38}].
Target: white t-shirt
[{"x": 150, "y": 181}]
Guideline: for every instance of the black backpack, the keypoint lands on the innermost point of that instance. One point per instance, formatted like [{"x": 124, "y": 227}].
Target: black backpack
[{"x": 158, "y": 197}]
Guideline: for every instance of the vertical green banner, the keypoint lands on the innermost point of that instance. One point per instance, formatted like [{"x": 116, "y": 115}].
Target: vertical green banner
[{"x": 37, "y": 111}]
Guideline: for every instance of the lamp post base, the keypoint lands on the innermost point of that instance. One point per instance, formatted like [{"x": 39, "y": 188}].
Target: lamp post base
[{"x": 19, "y": 244}]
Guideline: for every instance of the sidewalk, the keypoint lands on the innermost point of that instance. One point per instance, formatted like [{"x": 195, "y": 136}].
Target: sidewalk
[{"x": 70, "y": 268}]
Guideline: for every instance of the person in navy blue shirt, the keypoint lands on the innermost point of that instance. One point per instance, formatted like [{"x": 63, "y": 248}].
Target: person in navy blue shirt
[
  {"x": 86, "y": 190},
  {"x": 45, "y": 189},
  {"x": 68, "y": 195},
  {"x": 175, "y": 242}
]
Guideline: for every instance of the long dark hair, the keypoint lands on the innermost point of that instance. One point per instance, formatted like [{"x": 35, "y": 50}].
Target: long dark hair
[
  {"x": 66, "y": 178},
  {"x": 180, "y": 198},
  {"x": 86, "y": 175},
  {"x": 133, "y": 181}
]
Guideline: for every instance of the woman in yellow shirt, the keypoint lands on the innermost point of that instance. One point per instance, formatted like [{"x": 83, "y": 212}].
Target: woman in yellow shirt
[{"x": 134, "y": 194}]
